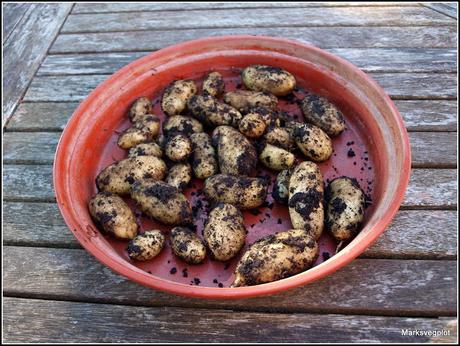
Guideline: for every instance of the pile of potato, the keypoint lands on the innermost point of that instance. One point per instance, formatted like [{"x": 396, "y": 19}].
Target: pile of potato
[{"x": 245, "y": 128}]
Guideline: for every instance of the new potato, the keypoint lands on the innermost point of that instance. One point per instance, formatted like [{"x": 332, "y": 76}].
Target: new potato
[
  {"x": 314, "y": 143},
  {"x": 212, "y": 112},
  {"x": 213, "y": 84},
  {"x": 187, "y": 245},
  {"x": 176, "y": 96},
  {"x": 179, "y": 175},
  {"x": 146, "y": 246},
  {"x": 204, "y": 161},
  {"x": 276, "y": 158},
  {"x": 243, "y": 100},
  {"x": 178, "y": 147},
  {"x": 270, "y": 79}
]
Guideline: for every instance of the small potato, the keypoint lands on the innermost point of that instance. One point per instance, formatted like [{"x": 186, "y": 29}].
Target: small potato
[
  {"x": 314, "y": 143},
  {"x": 181, "y": 124},
  {"x": 242, "y": 192},
  {"x": 146, "y": 149},
  {"x": 162, "y": 202},
  {"x": 345, "y": 208},
  {"x": 204, "y": 160},
  {"x": 235, "y": 153},
  {"x": 121, "y": 175},
  {"x": 280, "y": 191},
  {"x": 243, "y": 100},
  {"x": 113, "y": 215},
  {"x": 276, "y": 158},
  {"x": 187, "y": 245},
  {"x": 213, "y": 84},
  {"x": 269, "y": 79},
  {"x": 306, "y": 192},
  {"x": 270, "y": 116},
  {"x": 211, "y": 112},
  {"x": 140, "y": 106},
  {"x": 178, "y": 148},
  {"x": 252, "y": 125},
  {"x": 276, "y": 257},
  {"x": 179, "y": 175},
  {"x": 224, "y": 232},
  {"x": 146, "y": 246},
  {"x": 280, "y": 137},
  {"x": 144, "y": 130},
  {"x": 176, "y": 96},
  {"x": 322, "y": 113}
]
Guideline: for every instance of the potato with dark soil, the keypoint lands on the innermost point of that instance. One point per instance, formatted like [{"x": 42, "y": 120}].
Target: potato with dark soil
[
  {"x": 181, "y": 124},
  {"x": 144, "y": 130},
  {"x": 176, "y": 96},
  {"x": 276, "y": 158},
  {"x": 276, "y": 257},
  {"x": 204, "y": 161},
  {"x": 235, "y": 152},
  {"x": 187, "y": 245},
  {"x": 178, "y": 148},
  {"x": 119, "y": 176},
  {"x": 344, "y": 208},
  {"x": 280, "y": 191},
  {"x": 252, "y": 125},
  {"x": 139, "y": 107},
  {"x": 306, "y": 193},
  {"x": 224, "y": 232},
  {"x": 146, "y": 149},
  {"x": 322, "y": 113},
  {"x": 179, "y": 175},
  {"x": 244, "y": 100},
  {"x": 212, "y": 112},
  {"x": 242, "y": 192},
  {"x": 269, "y": 116},
  {"x": 213, "y": 84},
  {"x": 146, "y": 246},
  {"x": 314, "y": 143},
  {"x": 112, "y": 215},
  {"x": 280, "y": 137},
  {"x": 163, "y": 202},
  {"x": 270, "y": 79}
]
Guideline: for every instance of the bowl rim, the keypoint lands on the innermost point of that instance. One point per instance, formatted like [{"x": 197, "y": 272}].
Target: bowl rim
[{"x": 60, "y": 182}]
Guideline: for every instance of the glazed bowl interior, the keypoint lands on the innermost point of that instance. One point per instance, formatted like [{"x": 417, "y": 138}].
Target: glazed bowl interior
[{"x": 376, "y": 130}]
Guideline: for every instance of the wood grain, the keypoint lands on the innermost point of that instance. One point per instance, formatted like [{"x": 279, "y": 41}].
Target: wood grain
[
  {"x": 419, "y": 115},
  {"x": 323, "y": 37},
  {"x": 427, "y": 234},
  {"x": 291, "y": 17},
  {"x": 368, "y": 59},
  {"x": 28, "y": 182},
  {"x": 397, "y": 85},
  {"x": 449, "y": 9},
  {"x": 23, "y": 52},
  {"x": 431, "y": 149},
  {"x": 13, "y": 13},
  {"x": 365, "y": 286}
]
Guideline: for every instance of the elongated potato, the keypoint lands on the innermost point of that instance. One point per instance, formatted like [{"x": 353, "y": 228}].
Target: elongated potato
[
  {"x": 212, "y": 112},
  {"x": 181, "y": 124},
  {"x": 276, "y": 257},
  {"x": 178, "y": 147},
  {"x": 314, "y": 143},
  {"x": 243, "y": 100},
  {"x": 224, "y": 232},
  {"x": 235, "y": 153},
  {"x": 242, "y": 192},
  {"x": 139, "y": 107},
  {"x": 179, "y": 175},
  {"x": 162, "y": 202},
  {"x": 113, "y": 215},
  {"x": 176, "y": 96},
  {"x": 270, "y": 79},
  {"x": 187, "y": 245},
  {"x": 280, "y": 191},
  {"x": 306, "y": 192},
  {"x": 280, "y": 137},
  {"x": 119, "y": 176},
  {"x": 322, "y": 113},
  {"x": 213, "y": 84},
  {"x": 252, "y": 125},
  {"x": 146, "y": 149},
  {"x": 276, "y": 158},
  {"x": 144, "y": 129},
  {"x": 345, "y": 208},
  {"x": 204, "y": 161},
  {"x": 146, "y": 246}
]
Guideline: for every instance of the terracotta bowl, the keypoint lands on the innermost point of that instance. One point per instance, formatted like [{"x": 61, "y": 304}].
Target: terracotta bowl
[{"x": 374, "y": 149}]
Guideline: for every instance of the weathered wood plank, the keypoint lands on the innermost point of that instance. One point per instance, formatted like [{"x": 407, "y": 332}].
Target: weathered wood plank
[
  {"x": 28, "y": 182},
  {"x": 449, "y": 9},
  {"x": 369, "y": 60},
  {"x": 428, "y": 149},
  {"x": 13, "y": 13},
  {"x": 29, "y": 320},
  {"x": 339, "y": 16},
  {"x": 367, "y": 285},
  {"x": 333, "y": 37},
  {"x": 23, "y": 51},
  {"x": 433, "y": 236},
  {"x": 397, "y": 85},
  {"x": 419, "y": 115}
]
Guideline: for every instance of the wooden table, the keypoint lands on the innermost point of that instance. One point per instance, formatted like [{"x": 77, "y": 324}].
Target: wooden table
[{"x": 54, "y": 291}]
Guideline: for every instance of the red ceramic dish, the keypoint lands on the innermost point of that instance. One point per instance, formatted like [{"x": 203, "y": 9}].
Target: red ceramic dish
[{"x": 376, "y": 136}]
